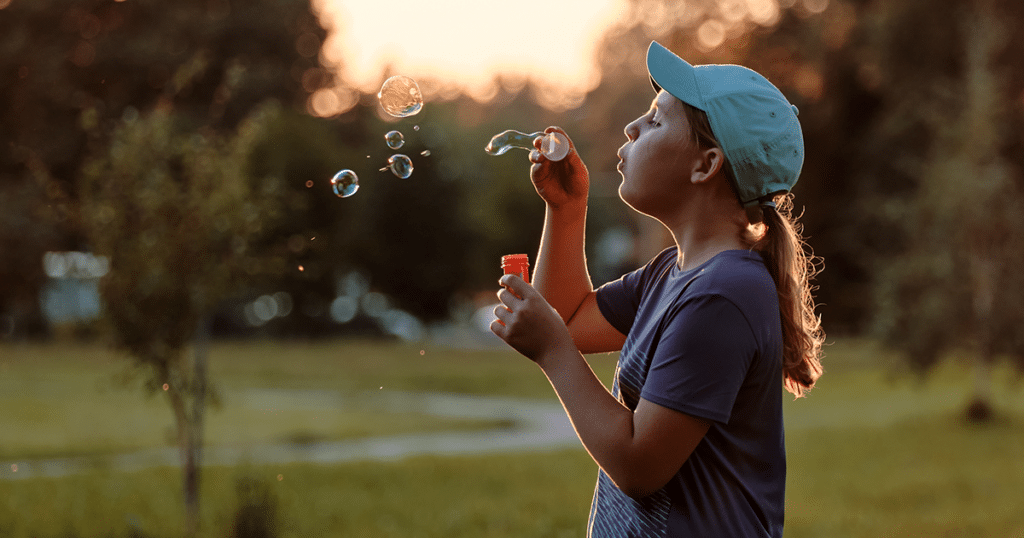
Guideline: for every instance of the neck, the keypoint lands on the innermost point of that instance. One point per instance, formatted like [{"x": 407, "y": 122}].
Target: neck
[{"x": 704, "y": 230}]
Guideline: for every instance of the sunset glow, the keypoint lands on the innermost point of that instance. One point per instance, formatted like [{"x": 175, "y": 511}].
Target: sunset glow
[{"x": 453, "y": 46}]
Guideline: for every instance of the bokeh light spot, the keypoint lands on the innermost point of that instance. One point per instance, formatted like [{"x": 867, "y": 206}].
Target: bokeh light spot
[{"x": 711, "y": 34}]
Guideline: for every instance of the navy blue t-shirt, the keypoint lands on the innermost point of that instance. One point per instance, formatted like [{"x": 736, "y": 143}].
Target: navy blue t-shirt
[{"x": 706, "y": 342}]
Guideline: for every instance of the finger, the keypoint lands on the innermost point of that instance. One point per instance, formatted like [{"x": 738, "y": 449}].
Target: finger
[
  {"x": 554, "y": 129},
  {"x": 502, "y": 313},
  {"x": 536, "y": 155},
  {"x": 498, "y": 328},
  {"x": 509, "y": 299},
  {"x": 515, "y": 284}
]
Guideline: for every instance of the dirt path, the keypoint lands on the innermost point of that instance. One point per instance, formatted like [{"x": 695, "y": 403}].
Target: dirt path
[{"x": 535, "y": 425}]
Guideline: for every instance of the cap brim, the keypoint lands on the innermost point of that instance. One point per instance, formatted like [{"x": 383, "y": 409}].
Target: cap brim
[{"x": 673, "y": 74}]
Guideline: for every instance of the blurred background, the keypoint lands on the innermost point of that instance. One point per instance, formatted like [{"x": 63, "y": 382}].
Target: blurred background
[{"x": 165, "y": 198}]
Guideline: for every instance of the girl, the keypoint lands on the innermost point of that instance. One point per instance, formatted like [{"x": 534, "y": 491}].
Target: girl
[{"x": 690, "y": 439}]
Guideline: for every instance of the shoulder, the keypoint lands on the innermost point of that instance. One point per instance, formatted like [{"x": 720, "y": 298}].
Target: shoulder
[
  {"x": 739, "y": 276},
  {"x": 654, "y": 271},
  {"x": 663, "y": 262}
]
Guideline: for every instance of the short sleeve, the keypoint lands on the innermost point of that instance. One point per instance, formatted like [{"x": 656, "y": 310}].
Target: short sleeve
[
  {"x": 702, "y": 359},
  {"x": 619, "y": 300}
]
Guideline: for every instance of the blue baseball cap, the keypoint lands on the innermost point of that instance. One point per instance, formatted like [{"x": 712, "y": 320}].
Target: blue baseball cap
[{"x": 755, "y": 124}]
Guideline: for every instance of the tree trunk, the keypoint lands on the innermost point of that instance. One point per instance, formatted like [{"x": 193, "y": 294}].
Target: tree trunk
[
  {"x": 189, "y": 405},
  {"x": 197, "y": 423},
  {"x": 979, "y": 410},
  {"x": 189, "y": 472}
]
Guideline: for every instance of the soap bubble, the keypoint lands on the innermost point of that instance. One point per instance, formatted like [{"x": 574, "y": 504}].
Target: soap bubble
[
  {"x": 400, "y": 96},
  {"x": 394, "y": 139},
  {"x": 345, "y": 184},
  {"x": 554, "y": 145},
  {"x": 401, "y": 165},
  {"x": 425, "y": 153}
]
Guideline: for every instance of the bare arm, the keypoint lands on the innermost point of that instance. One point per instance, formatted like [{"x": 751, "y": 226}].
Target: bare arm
[
  {"x": 560, "y": 273},
  {"x": 640, "y": 451}
]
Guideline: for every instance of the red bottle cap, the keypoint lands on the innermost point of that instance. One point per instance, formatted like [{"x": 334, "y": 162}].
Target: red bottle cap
[{"x": 516, "y": 264}]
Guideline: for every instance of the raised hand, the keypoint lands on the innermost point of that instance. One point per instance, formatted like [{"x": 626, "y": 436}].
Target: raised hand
[{"x": 560, "y": 183}]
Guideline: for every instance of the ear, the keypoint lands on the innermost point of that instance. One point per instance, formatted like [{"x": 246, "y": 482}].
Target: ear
[{"x": 707, "y": 165}]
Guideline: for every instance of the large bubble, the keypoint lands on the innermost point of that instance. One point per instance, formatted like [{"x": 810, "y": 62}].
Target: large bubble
[
  {"x": 554, "y": 145},
  {"x": 400, "y": 96}
]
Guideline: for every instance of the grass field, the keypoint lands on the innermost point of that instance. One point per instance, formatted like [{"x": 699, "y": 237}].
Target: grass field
[{"x": 872, "y": 451}]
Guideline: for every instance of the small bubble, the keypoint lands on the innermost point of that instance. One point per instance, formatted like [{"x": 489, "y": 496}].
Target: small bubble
[
  {"x": 345, "y": 183},
  {"x": 423, "y": 352},
  {"x": 309, "y": 183},
  {"x": 425, "y": 153},
  {"x": 367, "y": 156},
  {"x": 400, "y": 96},
  {"x": 400, "y": 165},
  {"x": 415, "y": 127},
  {"x": 301, "y": 268},
  {"x": 394, "y": 139},
  {"x": 14, "y": 467},
  {"x": 166, "y": 386},
  {"x": 381, "y": 388},
  {"x": 280, "y": 477}
]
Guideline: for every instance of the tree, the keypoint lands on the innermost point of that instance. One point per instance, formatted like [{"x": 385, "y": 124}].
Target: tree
[
  {"x": 175, "y": 210},
  {"x": 954, "y": 285},
  {"x": 74, "y": 67},
  {"x": 156, "y": 96}
]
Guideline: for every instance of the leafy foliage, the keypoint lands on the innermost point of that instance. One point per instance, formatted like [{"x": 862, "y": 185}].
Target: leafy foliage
[
  {"x": 72, "y": 70},
  {"x": 175, "y": 210}
]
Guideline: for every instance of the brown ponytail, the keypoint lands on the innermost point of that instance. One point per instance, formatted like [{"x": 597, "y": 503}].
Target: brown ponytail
[
  {"x": 777, "y": 237},
  {"x": 792, "y": 268}
]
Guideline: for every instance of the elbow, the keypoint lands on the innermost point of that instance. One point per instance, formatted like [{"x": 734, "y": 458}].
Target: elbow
[
  {"x": 640, "y": 489},
  {"x": 641, "y": 492}
]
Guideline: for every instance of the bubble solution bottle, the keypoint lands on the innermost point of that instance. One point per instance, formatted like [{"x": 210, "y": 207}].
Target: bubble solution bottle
[{"x": 516, "y": 264}]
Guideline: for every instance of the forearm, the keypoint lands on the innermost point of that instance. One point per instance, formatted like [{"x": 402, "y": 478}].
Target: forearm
[
  {"x": 603, "y": 424},
  {"x": 560, "y": 273}
]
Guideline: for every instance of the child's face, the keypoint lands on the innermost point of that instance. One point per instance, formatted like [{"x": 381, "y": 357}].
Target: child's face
[{"x": 657, "y": 159}]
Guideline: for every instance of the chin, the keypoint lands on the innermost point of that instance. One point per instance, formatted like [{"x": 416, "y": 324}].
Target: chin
[
  {"x": 630, "y": 198},
  {"x": 642, "y": 203}
]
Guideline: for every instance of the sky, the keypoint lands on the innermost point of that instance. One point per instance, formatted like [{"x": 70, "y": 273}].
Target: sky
[{"x": 465, "y": 43}]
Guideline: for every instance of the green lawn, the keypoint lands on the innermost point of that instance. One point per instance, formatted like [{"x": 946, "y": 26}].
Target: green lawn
[
  {"x": 872, "y": 451},
  {"x": 62, "y": 400}
]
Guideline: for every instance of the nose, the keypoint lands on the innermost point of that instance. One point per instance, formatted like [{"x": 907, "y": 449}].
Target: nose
[{"x": 632, "y": 130}]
